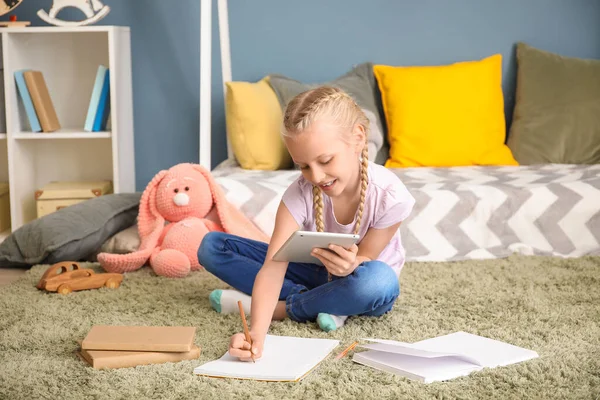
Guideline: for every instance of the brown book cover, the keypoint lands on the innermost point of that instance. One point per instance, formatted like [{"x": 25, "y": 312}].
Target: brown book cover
[
  {"x": 140, "y": 338},
  {"x": 100, "y": 359},
  {"x": 36, "y": 85}
]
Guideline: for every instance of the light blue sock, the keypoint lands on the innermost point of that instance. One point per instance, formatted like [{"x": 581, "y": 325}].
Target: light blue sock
[
  {"x": 215, "y": 299},
  {"x": 330, "y": 322},
  {"x": 225, "y": 301}
]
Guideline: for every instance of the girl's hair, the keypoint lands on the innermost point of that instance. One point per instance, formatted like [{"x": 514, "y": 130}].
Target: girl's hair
[{"x": 340, "y": 108}]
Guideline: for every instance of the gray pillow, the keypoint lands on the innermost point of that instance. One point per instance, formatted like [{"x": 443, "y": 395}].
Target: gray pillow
[
  {"x": 557, "y": 109},
  {"x": 71, "y": 233},
  {"x": 359, "y": 83}
]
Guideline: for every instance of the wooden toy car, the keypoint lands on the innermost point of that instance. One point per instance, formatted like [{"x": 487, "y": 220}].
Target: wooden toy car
[{"x": 68, "y": 276}]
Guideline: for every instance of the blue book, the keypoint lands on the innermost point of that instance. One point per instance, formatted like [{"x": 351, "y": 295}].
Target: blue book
[
  {"x": 34, "y": 122},
  {"x": 95, "y": 99},
  {"x": 103, "y": 106}
]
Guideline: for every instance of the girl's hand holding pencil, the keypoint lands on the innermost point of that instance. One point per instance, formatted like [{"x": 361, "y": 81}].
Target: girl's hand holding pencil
[
  {"x": 240, "y": 347},
  {"x": 245, "y": 346}
]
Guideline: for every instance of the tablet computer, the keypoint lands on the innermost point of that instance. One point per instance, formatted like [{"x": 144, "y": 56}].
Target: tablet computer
[{"x": 300, "y": 244}]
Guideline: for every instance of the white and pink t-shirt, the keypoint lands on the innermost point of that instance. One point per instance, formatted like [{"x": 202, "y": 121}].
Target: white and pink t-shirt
[{"x": 387, "y": 202}]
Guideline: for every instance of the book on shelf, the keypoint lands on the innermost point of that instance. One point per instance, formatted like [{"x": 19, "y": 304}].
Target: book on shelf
[
  {"x": 44, "y": 108},
  {"x": 99, "y": 107},
  {"x": 104, "y": 106},
  {"x": 34, "y": 122}
]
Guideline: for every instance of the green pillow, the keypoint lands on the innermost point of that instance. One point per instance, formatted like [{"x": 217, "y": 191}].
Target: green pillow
[
  {"x": 71, "y": 233},
  {"x": 361, "y": 85},
  {"x": 557, "y": 109}
]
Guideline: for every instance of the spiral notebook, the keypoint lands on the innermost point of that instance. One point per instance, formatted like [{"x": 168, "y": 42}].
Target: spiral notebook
[
  {"x": 440, "y": 358},
  {"x": 285, "y": 358}
]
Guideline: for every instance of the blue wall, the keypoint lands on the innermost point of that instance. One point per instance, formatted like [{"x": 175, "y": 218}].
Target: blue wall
[{"x": 315, "y": 41}]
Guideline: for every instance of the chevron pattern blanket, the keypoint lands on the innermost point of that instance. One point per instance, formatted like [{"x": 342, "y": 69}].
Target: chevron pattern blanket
[{"x": 466, "y": 212}]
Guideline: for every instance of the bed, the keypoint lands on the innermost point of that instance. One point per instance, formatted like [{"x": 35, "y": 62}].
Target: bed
[{"x": 464, "y": 212}]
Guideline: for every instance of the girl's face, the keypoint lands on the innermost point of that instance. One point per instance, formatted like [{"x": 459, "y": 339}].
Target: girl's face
[{"x": 326, "y": 159}]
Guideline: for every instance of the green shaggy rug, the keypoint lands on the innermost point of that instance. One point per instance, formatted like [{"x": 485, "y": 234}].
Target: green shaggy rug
[{"x": 549, "y": 305}]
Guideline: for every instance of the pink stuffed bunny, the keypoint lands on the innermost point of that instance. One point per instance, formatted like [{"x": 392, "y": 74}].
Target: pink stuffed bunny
[{"x": 182, "y": 196}]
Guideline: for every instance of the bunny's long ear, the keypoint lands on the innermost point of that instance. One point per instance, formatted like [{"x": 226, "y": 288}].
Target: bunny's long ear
[
  {"x": 150, "y": 222},
  {"x": 232, "y": 220}
]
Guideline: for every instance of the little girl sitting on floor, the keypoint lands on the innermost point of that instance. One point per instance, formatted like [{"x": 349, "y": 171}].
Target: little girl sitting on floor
[{"x": 340, "y": 191}]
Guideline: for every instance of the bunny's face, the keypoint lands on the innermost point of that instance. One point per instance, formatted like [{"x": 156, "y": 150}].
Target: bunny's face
[{"x": 183, "y": 193}]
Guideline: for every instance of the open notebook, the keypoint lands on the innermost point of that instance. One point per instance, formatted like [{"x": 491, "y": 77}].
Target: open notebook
[
  {"x": 441, "y": 358},
  {"x": 284, "y": 358}
]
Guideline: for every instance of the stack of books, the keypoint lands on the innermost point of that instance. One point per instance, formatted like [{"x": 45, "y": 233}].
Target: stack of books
[
  {"x": 99, "y": 108},
  {"x": 37, "y": 101},
  {"x": 107, "y": 346}
]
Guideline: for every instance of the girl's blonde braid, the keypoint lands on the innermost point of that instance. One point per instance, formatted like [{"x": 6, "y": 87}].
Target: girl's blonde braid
[
  {"x": 318, "y": 205},
  {"x": 333, "y": 95},
  {"x": 364, "y": 181},
  {"x": 315, "y": 108}
]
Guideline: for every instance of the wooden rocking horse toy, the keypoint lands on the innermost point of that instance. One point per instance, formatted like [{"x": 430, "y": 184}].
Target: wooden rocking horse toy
[{"x": 94, "y": 10}]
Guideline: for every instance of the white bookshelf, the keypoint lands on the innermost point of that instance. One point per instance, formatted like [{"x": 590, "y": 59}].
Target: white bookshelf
[{"x": 68, "y": 57}]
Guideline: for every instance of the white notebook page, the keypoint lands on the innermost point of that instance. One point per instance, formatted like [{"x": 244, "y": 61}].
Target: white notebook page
[
  {"x": 441, "y": 358},
  {"x": 408, "y": 350},
  {"x": 489, "y": 352},
  {"x": 284, "y": 358},
  {"x": 423, "y": 369}
]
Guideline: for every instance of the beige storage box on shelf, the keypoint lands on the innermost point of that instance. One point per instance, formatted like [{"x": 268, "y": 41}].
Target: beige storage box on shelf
[
  {"x": 57, "y": 195},
  {"x": 4, "y": 207}
]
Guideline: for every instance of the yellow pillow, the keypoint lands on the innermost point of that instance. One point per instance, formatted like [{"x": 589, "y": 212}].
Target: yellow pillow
[
  {"x": 254, "y": 116},
  {"x": 442, "y": 116}
]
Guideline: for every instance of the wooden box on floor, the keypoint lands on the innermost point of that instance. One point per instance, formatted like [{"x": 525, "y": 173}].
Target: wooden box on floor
[{"x": 57, "y": 195}]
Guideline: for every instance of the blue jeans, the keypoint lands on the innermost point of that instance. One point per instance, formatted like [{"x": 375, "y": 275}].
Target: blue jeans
[{"x": 370, "y": 290}]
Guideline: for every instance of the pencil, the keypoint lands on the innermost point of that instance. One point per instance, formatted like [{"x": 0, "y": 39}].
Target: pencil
[
  {"x": 343, "y": 353},
  {"x": 246, "y": 331}
]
